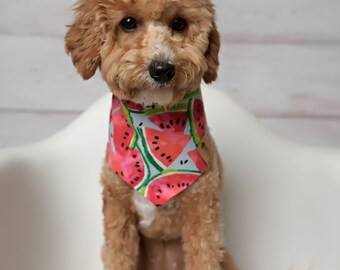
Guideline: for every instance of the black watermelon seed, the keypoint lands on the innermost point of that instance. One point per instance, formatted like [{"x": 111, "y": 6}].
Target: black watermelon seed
[
  {"x": 162, "y": 155},
  {"x": 170, "y": 160},
  {"x": 173, "y": 186},
  {"x": 168, "y": 157},
  {"x": 139, "y": 170},
  {"x": 126, "y": 148},
  {"x": 183, "y": 185},
  {"x": 162, "y": 125},
  {"x": 177, "y": 121},
  {"x": 179, "y": 185},
  {"x": 171, "y": 122},
  {"x": 134, "y": 156},
  {"x": 168, "y": 126},
  {"x": 187, "y": 184},
  {"x": 168, "y": 185},
  {"x": 122, "y": 173},
  {"x": 154, "y": 142},
  {"x": 128, "y": 126},
  {"x": 117, "y": 173},
  {"x": 199, "y": 119},
  {"x": 127, "y": 133},
  {"x": 156, "y": 138},
  {"x": 141, "y": 124},
  {"x": 185, "y": 162},
  {"x": 132, "y": 182},
  {"x": 158, "y": 197},
  {"x": 181, "y": 162},
  {"x": 160, "y": 191},
  {"x": 122, "y": 144},
  {"x": 183, "y": 122},
  {"x": 157, "y": 148}
]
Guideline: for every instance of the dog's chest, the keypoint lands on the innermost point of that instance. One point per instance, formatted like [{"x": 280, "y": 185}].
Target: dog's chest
[{"x": 145, "y": 209}]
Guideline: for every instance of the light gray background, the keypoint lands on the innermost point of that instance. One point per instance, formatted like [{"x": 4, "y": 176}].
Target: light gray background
[{"x": 279, "y": 59}]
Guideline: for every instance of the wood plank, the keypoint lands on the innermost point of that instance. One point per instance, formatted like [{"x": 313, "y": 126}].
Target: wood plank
[
  {"x": 282, "y": 80},
  {"x": 267, "y": 79},
  {"x": 37, "y": 17},
  {"x": 321, "y": 132},
  {"x": 237, "y": 20},
  {"x": 19, "y": 128},
  {"x": 37, "y": 74},
  {"x": 290, "y": 20}
]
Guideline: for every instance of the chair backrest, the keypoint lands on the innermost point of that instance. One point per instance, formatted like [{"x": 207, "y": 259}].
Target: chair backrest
[{"x": 281, "y": 198}]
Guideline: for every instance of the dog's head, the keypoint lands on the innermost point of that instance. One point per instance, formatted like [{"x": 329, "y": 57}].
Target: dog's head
[{"x": 149, "y": 51}]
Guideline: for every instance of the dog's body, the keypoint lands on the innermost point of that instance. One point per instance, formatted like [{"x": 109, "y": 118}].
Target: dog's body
[{"x": 154, "y": 52}]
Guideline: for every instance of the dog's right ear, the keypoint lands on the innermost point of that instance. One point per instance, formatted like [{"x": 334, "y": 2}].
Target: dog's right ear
[{"x": 84, "y": 38}]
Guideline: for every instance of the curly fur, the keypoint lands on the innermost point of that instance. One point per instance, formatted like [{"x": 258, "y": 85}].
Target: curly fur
[{"x": 187, "y": 233}]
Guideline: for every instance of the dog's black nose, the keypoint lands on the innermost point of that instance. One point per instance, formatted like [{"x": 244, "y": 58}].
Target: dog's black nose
[{"x": 162, "y": 72}]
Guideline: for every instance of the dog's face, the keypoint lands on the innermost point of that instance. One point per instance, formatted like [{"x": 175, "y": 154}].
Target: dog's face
[{"x": 149, "y": 51}]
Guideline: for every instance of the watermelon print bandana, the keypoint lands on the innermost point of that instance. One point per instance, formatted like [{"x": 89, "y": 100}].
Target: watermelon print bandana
[{"x": 155, "y": 150}]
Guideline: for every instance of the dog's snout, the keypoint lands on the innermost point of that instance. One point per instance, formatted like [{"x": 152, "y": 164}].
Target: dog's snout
[{"x": 162, "y": 72}]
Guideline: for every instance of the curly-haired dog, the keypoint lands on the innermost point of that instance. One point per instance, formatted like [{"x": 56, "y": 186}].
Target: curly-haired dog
[{"x": 154, "y": 53}]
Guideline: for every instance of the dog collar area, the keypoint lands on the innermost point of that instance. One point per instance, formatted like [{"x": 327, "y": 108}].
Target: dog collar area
[{"x": 155, "y": 150}]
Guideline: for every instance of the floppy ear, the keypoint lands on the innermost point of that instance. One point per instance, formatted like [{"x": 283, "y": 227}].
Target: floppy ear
[
  {"x": 84, "y": 38},
  {"x": 211, "y": 55}
]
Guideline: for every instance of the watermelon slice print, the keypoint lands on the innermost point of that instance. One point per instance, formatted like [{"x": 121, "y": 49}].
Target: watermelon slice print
[
  {"x": 197, "y": 119},
  {"x": 198, "y": 160},
  {"x": 170, "y": 121},
  {"x": 162, "y": 148},
  {"x": 124, "y": 135},
  {"x": 169, "y": 184},
  {"x": 129, "y": 165}
]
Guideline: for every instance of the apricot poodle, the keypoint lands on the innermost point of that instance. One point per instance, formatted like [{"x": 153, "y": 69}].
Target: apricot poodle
[{"x": 162, "y": 174}]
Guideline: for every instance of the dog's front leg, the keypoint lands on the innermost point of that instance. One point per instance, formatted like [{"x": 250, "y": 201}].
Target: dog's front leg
[
  {"x": 202, "y": 233},
  {"x": 120, "y": 251}
]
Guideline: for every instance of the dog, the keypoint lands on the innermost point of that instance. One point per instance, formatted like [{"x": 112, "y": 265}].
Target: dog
[{"x": 153, "y": 54}]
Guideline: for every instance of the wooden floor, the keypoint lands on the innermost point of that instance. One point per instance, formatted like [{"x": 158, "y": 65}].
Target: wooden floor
[{"x": 279, "y": 59}]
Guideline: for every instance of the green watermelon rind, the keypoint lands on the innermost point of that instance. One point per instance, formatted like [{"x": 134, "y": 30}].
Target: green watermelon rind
[
  {"x": 142, "y": 189},
  {"x": 147, "y": 168},
  {"x": 148, "y": 152},
  {"x": 192, "y": 122},
  {"x": 178, "y": 107},
  {"x": 135, "y": 135}
]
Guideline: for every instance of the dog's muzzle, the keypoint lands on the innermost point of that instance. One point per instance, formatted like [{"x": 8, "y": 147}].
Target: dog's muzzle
[{"x": 162, "y": 72}]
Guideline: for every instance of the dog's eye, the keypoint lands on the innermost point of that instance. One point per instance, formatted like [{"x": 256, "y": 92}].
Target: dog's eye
[
  {"x": 128, "y": 24},
  {"x": 179, "y": 24}
]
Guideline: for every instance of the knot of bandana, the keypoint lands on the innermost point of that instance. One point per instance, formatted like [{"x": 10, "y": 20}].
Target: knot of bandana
[{"x": 155, "y": 150}]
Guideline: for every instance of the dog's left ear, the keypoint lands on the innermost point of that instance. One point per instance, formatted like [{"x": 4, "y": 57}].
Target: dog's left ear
[
  {"x": 84, "y": 38},
  {"x": 211, "y": 55}
]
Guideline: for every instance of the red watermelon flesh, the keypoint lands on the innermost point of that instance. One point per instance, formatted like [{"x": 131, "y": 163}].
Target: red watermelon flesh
[
  {"x": 197, "y": 120},
  {"x": 198, "y": 160},
  {"x": 124, "y": 135},
  {"x": 165, "y": 147},
  {"x": 115, "y": 103},
  {"x": 166, "y": 186},
  {"x": 170, "y": 121},
  {"x": 133, "y": 106},
  {"x": 129, "y": 166}
]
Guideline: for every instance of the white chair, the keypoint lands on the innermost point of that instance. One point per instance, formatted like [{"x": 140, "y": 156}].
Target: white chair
[{"x": 282, "y": 199}]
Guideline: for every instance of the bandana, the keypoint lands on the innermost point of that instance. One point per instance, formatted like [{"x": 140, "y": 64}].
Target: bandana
[{"x": 156, "y": 150}]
